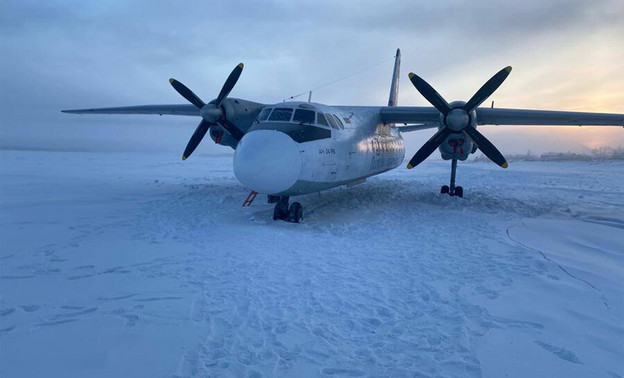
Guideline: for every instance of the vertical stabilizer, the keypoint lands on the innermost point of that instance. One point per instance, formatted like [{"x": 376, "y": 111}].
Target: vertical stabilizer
[{"x": 394, "y": 88}]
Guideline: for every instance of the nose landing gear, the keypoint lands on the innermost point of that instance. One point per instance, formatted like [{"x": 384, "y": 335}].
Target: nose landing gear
[
  {"x": 282, "y": 211},
  {"x": 453, "y": 190}
]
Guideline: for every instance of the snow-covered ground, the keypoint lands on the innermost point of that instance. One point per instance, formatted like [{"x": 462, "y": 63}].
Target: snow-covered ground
[{"x": 129, "y": 264}]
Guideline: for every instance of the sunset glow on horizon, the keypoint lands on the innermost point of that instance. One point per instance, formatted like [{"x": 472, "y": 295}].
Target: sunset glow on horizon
[{"x": 565, "y": 56}]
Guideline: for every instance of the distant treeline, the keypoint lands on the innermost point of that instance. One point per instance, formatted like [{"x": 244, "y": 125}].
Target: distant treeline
[{"x": 596, "y": 154}]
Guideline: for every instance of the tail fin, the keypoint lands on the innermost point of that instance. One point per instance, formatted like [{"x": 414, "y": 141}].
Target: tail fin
[{"x": 394, "y": 88}]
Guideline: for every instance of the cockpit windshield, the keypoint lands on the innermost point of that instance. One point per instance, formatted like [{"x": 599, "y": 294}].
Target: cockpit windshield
[
  {"x": 301, "y": 116},
  {"x": 304, "y": 116},
  {"x": 264, "y": 114},
  {"x": 281, "y": 114}
]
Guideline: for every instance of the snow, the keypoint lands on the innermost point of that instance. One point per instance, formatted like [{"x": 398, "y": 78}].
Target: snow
[{"x": 138, "y": 264}]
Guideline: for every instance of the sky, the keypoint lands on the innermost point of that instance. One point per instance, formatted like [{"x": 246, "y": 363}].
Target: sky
[{"x": 565, "y": 54}]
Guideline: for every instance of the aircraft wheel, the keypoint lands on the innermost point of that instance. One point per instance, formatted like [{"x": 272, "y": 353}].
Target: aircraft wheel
[
  {"x": 444, "y": 189},
  {"x": 280, "y": 212},
  {"x": 296, "y": 212},
  {"x": 459, "y": 191}
]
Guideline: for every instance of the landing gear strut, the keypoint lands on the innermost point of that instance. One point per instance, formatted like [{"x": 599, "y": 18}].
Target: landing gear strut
[
  {"x": 282, "y": 211},
  {"x": 453, "y": 190}
]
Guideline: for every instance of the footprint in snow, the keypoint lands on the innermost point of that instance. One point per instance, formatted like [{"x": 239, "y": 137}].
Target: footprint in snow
[
  {"x": 4, "y": 331},
  {"x": 7, "y": 311},
  {"x": 30, "y": 308}
]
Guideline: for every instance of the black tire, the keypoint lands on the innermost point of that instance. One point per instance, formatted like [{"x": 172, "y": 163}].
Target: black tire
[
  {"x": 459, "y": 191},
  {"x": 277, "y": 213},
  {"x": 295, "y": 212},
  {"x": 444, "y": 189},
  {"x": 280, "y": 212}
]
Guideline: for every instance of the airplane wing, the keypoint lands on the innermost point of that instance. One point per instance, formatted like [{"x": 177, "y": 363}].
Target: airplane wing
[
  {"x": 493, "y": 116},
  {"x": 499, "y": 116},
  {"x": 417, "y": 127},
  {"x": 409, "y": 114},
  {"x": 181, "y": 110}
]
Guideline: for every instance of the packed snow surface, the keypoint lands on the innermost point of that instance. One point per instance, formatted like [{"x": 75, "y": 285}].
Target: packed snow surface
[{"x": 129, "y": 264}]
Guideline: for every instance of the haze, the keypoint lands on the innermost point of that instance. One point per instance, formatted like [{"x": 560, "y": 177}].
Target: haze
[{"x": 566, "y": 55}]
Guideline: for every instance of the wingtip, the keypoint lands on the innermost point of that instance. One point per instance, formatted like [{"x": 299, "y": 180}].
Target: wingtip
[
  {"x": 508, "y": 69},
  {"x": 505, "y": 165},
  {"x": 171, "y": 80},
  {"x": 241, "y": 65},
  {"x": 411, "y": 75},
  {"x": 183, "y": 157},
  {"x": 409, "y": 166}
]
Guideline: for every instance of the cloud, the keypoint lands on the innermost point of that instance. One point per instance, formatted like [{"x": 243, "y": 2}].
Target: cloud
[{"x": 72, "y": 54}]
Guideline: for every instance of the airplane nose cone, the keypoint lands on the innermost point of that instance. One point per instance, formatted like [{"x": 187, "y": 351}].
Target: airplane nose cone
[{"x": 267, "y": 161}]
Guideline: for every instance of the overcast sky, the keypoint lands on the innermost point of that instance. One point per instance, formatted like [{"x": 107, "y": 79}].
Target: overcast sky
[{"x": 566, "y": 55}]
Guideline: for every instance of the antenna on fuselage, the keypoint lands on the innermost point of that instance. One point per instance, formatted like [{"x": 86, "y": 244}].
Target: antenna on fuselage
[{"x": 310, "y": 96}]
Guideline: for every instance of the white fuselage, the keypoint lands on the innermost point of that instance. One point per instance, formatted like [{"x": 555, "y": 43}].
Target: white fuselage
[{"x": 289, "y": 157}]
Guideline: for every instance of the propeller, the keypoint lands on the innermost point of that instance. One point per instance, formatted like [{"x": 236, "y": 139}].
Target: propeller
[
  {"x": 457, "y": 119},
  {"x": 212, "y": 113}
]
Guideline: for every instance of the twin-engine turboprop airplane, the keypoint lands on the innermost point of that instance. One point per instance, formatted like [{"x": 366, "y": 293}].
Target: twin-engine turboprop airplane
[{"x": 296, "y": 148}]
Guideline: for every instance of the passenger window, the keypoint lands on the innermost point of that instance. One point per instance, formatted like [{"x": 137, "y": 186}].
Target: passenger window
[
  {"x": 339, "y": 122},
  {"x": 332, "y": 121},
  {"x": 321, "y": 120},
  {"x": 264, "y": 114},
  {"x": 281, "y": 114},
  {"x": 304, "y": 116}
]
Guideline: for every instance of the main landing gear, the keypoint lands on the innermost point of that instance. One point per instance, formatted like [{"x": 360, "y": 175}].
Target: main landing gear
[
  {"x": 453, "y": 190},
  {"x": 282, "y": 211}
]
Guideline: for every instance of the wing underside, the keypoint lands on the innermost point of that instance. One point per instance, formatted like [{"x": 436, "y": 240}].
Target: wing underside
[
  {"x": 180, "y": 110},
  {"x": 489, "y": 116}
]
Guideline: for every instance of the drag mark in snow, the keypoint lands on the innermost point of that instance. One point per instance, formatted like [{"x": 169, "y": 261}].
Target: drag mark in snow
[
  {"x": 55, "y": 323},
  {"x": 152, "y": 299},
  {"x": 106, "y": 299},
  {"x": 342, "y": 372},
  {"x": 605, "y": 221},
  {"x": 562, "y": 353}
]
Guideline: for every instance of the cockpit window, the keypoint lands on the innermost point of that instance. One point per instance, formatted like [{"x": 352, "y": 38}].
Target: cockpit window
[
  {"x": 321, "y": 120},
  {"x": 304, "y": 116},
  {"x": 264, "y": 114},
  {"x": 332, "y": 121},
  {"x": 281, "y": 114},
  {"x": 339, "y": 122}
]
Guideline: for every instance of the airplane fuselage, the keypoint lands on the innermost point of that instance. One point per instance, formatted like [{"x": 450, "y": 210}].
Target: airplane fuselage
[{"x": 297, "y": 148}]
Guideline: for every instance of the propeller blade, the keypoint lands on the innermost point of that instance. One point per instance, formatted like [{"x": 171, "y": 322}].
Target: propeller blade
[
  {"x": 430, "y": 146},
  {"x": 486, "y": 147},
  {"x": 229, "y": 83},
  {"x": 186, "y": 93},
  {"x": 231, "y": 128},
  {"x": 430, "y": 94},
  {"x": 197, "y": 137},
  {"x": 487, "y": 89}
]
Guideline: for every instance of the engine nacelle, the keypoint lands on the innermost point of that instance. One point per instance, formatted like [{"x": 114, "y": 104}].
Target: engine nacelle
[
  {"x": 241, "y": 113},
  {"x": 458, "y": 145}
]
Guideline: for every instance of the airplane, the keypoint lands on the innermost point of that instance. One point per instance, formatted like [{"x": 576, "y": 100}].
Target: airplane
[{"x": 295, "y": 148}]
